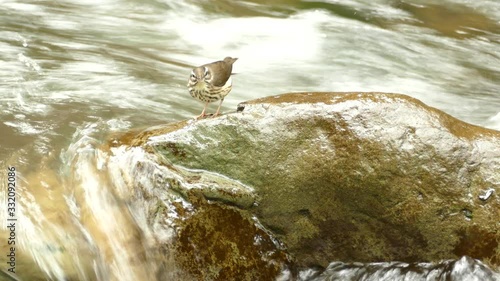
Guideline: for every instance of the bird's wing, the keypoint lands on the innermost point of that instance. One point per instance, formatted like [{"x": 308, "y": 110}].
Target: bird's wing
[{"x": 223, "y": 74}]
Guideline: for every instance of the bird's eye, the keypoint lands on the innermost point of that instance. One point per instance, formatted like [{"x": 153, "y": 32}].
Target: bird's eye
[{"x": 193, "y": 76}]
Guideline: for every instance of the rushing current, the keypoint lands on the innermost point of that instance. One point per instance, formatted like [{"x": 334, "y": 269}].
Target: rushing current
[{"x": 75, "y": 72}]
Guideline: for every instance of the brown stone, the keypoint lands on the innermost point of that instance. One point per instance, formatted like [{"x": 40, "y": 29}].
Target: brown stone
[{"x": 340, "y": 176}]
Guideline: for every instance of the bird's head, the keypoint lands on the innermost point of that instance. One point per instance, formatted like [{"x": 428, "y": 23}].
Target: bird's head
[{"x": 200, "y": 74}]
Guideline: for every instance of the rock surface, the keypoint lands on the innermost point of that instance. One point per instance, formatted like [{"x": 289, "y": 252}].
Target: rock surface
[
  {"x": 463, "y": 269},
  {"x": 334, "y": 176}
]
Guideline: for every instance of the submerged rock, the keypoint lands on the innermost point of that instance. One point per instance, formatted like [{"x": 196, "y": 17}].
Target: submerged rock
[
  {"x": 334, "y": 176},
  {"x": 462, "y": 269}
]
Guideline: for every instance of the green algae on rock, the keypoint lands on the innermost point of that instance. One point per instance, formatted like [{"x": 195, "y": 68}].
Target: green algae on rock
[
  {"x": 350, "y": 176},
  {"x": 218, "y": 243}
]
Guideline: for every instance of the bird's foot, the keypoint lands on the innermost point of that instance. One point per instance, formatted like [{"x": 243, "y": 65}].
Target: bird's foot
[
  {"x": 201, "y": 116},
  {"x": 217, "y": 113}
]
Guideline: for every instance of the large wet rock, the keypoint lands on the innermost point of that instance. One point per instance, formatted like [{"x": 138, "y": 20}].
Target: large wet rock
[{"x": 334, "y": 176}]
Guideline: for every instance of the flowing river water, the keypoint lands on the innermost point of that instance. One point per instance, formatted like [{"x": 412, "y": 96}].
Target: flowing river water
[{"x": 72, "y": 73}]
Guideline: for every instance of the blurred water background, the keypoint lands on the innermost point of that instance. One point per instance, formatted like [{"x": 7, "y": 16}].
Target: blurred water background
[{"x": 72, "y": 72}]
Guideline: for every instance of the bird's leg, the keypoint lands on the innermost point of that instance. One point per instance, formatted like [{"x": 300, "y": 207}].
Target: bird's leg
[
  {"x": 203, "y": 112},
  {"x": 218, "y": 108}
]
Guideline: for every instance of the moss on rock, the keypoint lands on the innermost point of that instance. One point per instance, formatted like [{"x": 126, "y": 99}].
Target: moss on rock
[
  {"x": 219, "y": 243},
  {"x": 341, "y": 176}
]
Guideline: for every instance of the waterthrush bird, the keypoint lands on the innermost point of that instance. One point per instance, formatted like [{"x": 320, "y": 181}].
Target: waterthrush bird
[{"x": 211, "y": 82}]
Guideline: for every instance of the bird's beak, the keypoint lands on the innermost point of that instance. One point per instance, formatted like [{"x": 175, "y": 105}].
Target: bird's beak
[{"x": 200, "y": 84}]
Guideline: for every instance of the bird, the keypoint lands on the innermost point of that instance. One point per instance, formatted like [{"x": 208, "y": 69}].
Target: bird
[{"x": 211, "y": 82}]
